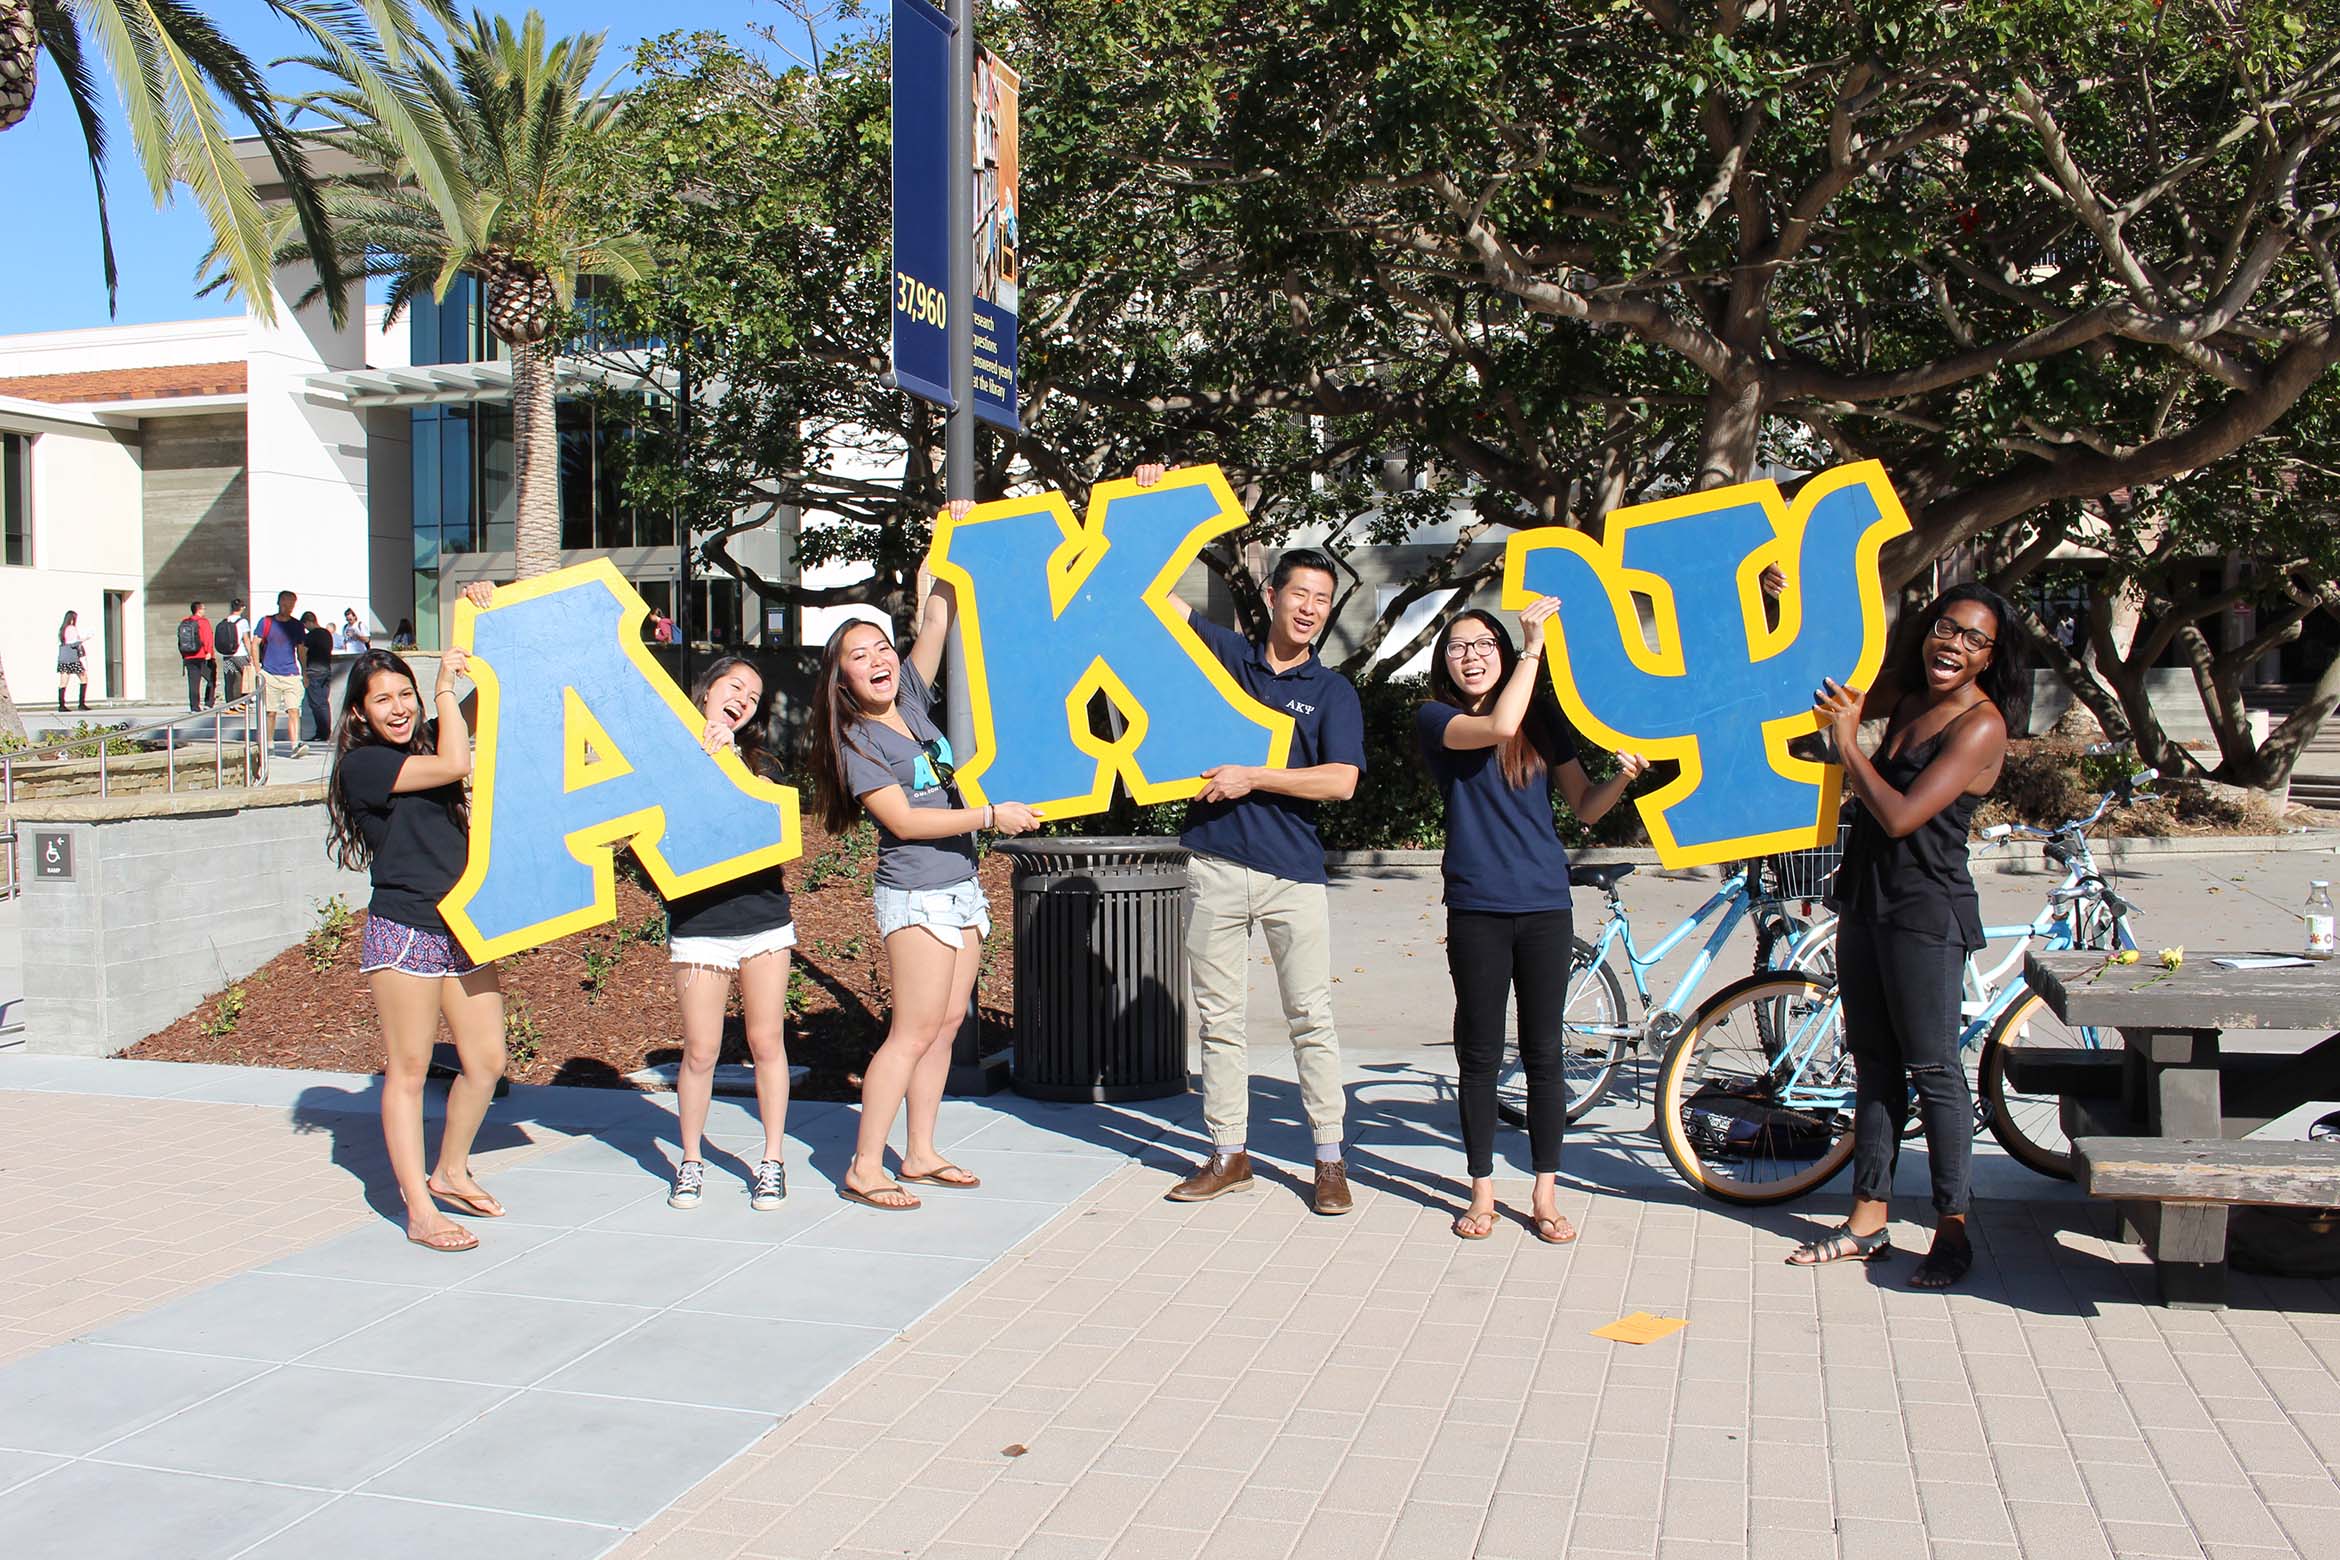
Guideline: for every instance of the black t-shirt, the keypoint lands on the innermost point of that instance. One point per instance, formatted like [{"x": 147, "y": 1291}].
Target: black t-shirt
[
  {"x": 320, "y": 650},
  {"x": 742, "y": 907},
  {"x": 418, "y": 847}
]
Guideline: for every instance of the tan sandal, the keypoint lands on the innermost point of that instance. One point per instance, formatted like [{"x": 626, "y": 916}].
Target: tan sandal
[
  {"x": 451, "y": 1239},
  {"x": 479, "y": 1204},
  {"x": 1550, "y": 1231},
  {"x": 940, "y": 1176},
  {"x": 1469, "y": 1234},
  {"x": 869, "y": 1199}
]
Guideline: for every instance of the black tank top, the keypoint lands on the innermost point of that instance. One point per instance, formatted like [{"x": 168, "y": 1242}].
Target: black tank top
[{"x": 1919, "y": 883}]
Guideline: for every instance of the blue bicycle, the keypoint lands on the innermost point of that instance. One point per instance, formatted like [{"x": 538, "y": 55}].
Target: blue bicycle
[{"x": 1755, "y": 1094}]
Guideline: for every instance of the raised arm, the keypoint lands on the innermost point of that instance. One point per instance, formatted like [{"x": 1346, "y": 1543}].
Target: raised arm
[
  {"x": 1148, "y": 473},
  {"x": 1501, "y": 723},
  {"x": 452, "y": 761},
  {"x": 935, "y": 609},
  {"x": 1977, "y": 746}
]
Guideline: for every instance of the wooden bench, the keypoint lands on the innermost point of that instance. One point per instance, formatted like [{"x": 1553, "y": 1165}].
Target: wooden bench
[
  {"x": 2077, "y": 1072},
  {"x": 2194, "y": 1181}
]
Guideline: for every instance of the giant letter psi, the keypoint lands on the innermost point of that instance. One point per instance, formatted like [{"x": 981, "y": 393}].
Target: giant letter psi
[
  {"x": 1052, "y": 612},
  {"x": 585, "y": 741},
  {"x": 1722, "y": 692}
]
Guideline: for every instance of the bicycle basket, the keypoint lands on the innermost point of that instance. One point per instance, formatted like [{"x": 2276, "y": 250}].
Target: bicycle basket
[{"x": 1804, "y": 874}]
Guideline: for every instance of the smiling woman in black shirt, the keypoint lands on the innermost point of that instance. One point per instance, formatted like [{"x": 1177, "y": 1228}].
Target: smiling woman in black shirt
[
  {"x": 740, "y": 930},
  {"x": 396, "y": 803}
]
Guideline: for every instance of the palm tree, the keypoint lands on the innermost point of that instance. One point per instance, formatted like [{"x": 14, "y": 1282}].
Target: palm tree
[
  {"x": 175, "y": 70},
  {"x": 481, "y": 159}
]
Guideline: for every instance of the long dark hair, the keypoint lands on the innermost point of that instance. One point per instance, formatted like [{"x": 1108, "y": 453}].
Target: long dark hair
[
  {"x": 65, "y": 624},
  {"x": 1538, "y": 745},
  {"x": 835, "y": 712},
  {"x": 345, "y": 842},
  {"x": 1997, "y": 678},
  {"x": 751, "y": 739}
]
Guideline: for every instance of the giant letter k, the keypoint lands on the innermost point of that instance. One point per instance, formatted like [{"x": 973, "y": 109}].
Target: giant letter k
[{"x": 1052, "y": 613}]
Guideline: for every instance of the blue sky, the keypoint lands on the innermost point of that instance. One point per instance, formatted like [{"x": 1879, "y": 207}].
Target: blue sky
[{"x": 51, "y": 277}]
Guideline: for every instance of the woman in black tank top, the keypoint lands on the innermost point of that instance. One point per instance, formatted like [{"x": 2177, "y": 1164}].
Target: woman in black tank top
[{"x": 1907, "y": 916}]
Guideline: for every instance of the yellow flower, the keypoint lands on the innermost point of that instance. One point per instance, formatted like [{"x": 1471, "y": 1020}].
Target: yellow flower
[
  {"x": 2125, "y": 956},
  {"x": 2171, "y": 958}
]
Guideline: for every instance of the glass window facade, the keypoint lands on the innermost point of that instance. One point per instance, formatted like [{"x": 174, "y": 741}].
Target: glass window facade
[{"x": 15, "y": 498}]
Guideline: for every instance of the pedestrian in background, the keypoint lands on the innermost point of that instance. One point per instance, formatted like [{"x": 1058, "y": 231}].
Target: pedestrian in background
[
  {"x": 352, "y": 638},
  {"x": 317, "y": 677},
  {"x": 233, "y": 640},
  {"x": 72, "y": 659},
  {"x": 282, "y": 648},
  {"x": 201, "y": 658}
]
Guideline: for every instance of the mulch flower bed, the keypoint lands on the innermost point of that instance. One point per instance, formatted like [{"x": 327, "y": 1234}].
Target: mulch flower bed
[{"x": 592, "y": 1008}]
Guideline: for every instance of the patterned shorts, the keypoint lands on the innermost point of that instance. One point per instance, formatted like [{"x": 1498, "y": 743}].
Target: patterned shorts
[{"x": 410, "y": 950}]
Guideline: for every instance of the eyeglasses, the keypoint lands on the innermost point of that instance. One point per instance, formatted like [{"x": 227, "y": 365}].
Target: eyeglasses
[
  {"x": 1951, "y": 628},
  {"x": 1465, "y": 649}
]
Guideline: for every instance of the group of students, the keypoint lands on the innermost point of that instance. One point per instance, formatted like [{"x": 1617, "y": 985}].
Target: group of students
[
  {"x": 1491, "y": 735},
  {"x": 299, "y": 651}
]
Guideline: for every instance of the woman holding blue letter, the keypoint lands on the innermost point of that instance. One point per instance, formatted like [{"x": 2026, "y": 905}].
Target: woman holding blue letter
[
  {"x": 1499, "y": 749},
  {"x": 875, "y": 746}
]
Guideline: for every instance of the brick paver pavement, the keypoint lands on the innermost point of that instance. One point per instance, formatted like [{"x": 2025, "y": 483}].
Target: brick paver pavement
[
  {"x": 1148, "y": 1381},
  {"x": 110, "y": 1206}
]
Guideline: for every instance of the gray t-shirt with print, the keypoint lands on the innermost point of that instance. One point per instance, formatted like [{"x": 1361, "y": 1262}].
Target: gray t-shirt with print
[{"x": 877, "y": 756}]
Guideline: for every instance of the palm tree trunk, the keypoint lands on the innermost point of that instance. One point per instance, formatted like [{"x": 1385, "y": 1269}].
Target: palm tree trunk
[
  {"x": 11, "y": 723},
  {"x": 536, "y": 459},
  {"x": 20, "y": 58}
]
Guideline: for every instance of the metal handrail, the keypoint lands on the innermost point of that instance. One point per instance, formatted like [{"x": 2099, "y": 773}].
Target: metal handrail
[{"x": 58, "y": 752}]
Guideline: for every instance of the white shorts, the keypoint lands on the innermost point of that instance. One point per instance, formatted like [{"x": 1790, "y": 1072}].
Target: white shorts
[
  {"x": 946, "y": 912},
  {"x": 729, "y": 953}
]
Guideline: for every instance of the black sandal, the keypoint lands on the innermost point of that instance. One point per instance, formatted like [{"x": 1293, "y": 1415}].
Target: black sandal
[
  {"x": 1841, "y": 1245},
  {"x": 1943, "y": 1267}
]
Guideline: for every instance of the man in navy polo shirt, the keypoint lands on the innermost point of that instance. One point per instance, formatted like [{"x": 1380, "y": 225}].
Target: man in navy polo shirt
[{"x": 1257, "y": 861}]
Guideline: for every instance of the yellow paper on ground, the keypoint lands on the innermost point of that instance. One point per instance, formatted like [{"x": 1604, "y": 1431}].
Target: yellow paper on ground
[{"x": 1640, "y": 1327}]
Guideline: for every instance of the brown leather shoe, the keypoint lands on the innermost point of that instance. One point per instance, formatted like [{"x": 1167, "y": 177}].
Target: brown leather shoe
[
  {"x": 1332, "y": 1186},
  {"x": 1223, "y": 1174}
]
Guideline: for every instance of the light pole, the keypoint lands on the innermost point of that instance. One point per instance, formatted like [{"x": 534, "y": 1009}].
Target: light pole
[{"x": 959, "y": 334}]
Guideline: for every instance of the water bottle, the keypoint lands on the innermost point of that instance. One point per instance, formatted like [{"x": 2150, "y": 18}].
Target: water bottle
[{"x": 2319, "y": 920}]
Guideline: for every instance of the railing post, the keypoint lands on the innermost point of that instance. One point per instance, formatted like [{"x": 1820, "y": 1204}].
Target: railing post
[{"x": 170, "y": 759}]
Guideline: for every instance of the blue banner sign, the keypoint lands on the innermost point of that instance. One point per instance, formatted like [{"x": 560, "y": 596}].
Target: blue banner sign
[
  {"x": 998, "y": 240},
  {"x": 922, "y": 161}
]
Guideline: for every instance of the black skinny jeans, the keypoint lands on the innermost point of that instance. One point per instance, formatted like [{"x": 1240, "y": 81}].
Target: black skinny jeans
[
  {"x": 202, "y": 683},
  {"x": 1901, "y": 996},
  {"x": 1490, "y": 953}
]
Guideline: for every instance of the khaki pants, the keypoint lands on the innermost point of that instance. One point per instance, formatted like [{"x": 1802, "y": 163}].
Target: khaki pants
[{"x": 1224, "y": 902}]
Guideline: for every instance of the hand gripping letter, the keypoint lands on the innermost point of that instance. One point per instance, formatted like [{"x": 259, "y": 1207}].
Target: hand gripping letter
[
  {"x": 584, "y": 741},
  {"x": 1720, "y": 691},
  {"x": 1052, "y": 612}
]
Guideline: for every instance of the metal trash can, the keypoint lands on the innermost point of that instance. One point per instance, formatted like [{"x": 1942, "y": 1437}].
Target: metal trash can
[{"x": 1100, "y": 968}]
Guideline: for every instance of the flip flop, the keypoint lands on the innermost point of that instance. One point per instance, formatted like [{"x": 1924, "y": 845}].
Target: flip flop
[
  {"x": 1463, "y": 1234},
  {"x": 1548, "y": 1230},
  {"x": 935, "y": 1177},
  {"x": 868, "y": 1199},
  {"x": 479, "y": 1204},
  {"x": 445, "y": 1240}
]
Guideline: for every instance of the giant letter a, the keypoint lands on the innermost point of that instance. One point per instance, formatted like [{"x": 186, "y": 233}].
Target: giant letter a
[
  {"x": 1052, "y": 613},
  {"x": 584, "y": 741}
]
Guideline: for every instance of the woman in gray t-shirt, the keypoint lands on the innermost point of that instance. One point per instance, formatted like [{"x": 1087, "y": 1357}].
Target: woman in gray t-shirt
[{"x": 875, "y": 747}]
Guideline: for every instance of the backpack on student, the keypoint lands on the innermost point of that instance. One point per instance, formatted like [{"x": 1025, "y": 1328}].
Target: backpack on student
[
  {"x": 223, "y": 638},
  {"x": 190, "y": 638}
]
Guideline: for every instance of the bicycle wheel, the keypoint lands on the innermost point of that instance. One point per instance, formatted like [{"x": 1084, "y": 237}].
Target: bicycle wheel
[
  {"x": 1791, "y": 943},
  {"x": 1744, "y": 1125},
  {"x": 1592, "y": 1047},
  {"x": 2030, "y": 1127}
]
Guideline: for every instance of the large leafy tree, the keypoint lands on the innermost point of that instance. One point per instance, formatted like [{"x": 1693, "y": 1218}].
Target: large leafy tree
[
  {"x": 476, "y": 155},
  {"x": 179, "y": 78}
]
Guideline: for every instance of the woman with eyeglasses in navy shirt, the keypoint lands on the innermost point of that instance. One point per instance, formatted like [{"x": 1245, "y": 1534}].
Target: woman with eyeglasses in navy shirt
[{"x": 1500, "y": 750}]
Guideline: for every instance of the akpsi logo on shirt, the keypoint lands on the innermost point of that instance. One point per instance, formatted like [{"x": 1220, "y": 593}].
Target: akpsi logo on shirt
[{"x": 1297, "y": 708}]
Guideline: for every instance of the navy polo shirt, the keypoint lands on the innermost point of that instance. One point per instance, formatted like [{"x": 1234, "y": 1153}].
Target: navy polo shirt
[
  {"x": 1503, "y": 851},
  {"x": 1277, "y": 834}
]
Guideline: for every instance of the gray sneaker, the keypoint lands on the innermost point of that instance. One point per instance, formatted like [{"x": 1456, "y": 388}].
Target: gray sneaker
[
  {"x": 690, "y": 1179},
  {"x": 771, "y": 1186}
]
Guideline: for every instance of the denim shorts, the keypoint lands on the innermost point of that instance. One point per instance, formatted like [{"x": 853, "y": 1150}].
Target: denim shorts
[
  {"x": 729, "y": 953},
  {"x": 388, "y": 945},
  {"x": 945, "y": 912}
]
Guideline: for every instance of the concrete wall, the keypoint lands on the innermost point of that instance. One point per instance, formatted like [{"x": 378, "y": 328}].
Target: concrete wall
[
  {"x": 86, "y": 523},
  {"x": 196, "y": 530},
  {"x": 309, "y": 530},
  {"x": 132, "y": 942}
]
